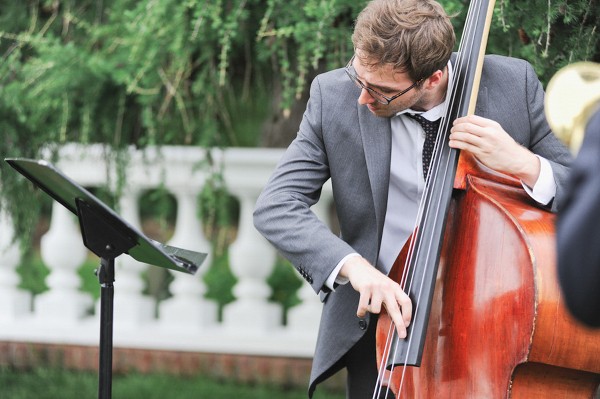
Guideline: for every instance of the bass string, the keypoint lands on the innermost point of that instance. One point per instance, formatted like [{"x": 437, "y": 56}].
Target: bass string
[{"x": 437, "y": 171}]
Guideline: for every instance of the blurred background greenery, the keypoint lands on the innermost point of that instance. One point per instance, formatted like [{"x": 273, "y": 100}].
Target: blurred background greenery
[
  {"x": 212, "y": 73},
  {"x": 63, "y": 384}
]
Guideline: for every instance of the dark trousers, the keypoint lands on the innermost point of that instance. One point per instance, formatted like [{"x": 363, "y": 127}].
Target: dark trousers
[{"x": 361, "y": 365}]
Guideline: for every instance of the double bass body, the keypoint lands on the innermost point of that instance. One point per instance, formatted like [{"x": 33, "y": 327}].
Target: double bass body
[{"x": 497, "y": 327}]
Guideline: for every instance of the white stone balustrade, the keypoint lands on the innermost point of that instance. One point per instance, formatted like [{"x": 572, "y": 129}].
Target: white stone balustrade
[
  {"x": 187, "y": 321},
  {"x": 251, "y": 257},
  {"x": 63, "y": 252},
  {"x": 13, "y": 301}
]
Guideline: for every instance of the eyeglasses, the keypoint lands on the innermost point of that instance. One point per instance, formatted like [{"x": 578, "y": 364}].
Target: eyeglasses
[{"x": 380, "y": 98}]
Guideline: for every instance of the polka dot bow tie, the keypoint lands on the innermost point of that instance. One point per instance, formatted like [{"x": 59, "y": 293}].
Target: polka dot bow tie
[{"x": 431, "y": 129}]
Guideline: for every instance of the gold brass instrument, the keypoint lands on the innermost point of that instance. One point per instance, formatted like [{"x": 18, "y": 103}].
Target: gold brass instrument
[{"x": 572, "y": 96}]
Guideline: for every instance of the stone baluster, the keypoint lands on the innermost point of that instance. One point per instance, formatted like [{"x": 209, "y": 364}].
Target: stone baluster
[
  {"x": 131, "y": 306},
  {"x": 251, "y": 256},
  {"x": 62, "y": 251},
  {"x": 251, "y": 259},
  {"x": 188, "y": 308},
  {"x": 13, "y": 301}
]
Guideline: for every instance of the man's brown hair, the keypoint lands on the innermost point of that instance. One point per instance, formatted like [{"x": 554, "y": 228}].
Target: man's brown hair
[{"x": 415, "y": 36}]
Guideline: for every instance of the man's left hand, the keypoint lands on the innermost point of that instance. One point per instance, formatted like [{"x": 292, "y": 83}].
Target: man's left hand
[{"x": 493, "y": 146}]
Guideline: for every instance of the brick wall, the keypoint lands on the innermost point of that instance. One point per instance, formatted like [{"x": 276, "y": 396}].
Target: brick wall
[{"x": 289, "y": 372}]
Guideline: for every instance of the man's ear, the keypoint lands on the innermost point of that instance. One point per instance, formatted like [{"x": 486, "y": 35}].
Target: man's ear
[{"x": 434, "y": 79}]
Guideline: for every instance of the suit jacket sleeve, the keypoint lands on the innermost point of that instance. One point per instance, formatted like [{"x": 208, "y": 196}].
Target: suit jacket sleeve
[
  {"x": 543, "y": 141},
  {"x": 282, "y": 212},
  {"x": 514, "y": 97}
]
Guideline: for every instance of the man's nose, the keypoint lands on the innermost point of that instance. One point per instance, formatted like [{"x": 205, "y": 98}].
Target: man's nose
[{"x": 365, "y": 97}]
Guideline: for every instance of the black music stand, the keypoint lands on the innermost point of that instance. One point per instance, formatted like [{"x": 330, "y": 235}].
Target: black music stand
[{"x": 107, "y": 235}]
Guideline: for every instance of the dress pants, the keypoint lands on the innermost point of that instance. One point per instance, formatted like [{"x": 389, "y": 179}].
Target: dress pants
[{"x": 361, "y": 365}]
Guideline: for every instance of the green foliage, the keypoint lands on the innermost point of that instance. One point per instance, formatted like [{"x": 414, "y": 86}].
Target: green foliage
[
  {"x": 164, "y": 71},
  {"x": 117, "y": 71},
  {"x": 302, "y": 35},
  {"x": 159, "y": 206},
  {"x": 285, "y": 283},
  {"x": 218, "y": 209},
  {"x": 57, "y": 383},
  {"x": 220, "y": 281},
  {"x": 33, "y": 273},
  {"x": 87, "y": 276},
  {"x": 549, "y": 34}
]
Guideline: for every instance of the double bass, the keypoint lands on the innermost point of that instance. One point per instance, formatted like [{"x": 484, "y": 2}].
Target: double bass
[{"x": 480, "y": 268}]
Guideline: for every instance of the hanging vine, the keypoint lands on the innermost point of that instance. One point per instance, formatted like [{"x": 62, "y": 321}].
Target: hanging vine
[{"x": 152, "y": 72}]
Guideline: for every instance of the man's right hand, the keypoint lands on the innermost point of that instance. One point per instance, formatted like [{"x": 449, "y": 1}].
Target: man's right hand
[{"x": 377, "y": 289}]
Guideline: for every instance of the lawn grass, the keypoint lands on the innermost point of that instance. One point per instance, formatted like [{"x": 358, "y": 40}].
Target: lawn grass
[{"x": 58, "y": 383}]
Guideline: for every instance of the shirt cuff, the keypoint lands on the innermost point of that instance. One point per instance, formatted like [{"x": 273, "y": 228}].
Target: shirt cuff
[
  {"x": 544, "y": 189},
  {"x": 334, "y": 280}
]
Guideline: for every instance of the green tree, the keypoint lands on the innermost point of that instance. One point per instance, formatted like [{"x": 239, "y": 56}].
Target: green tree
[{"x": 194, "y": 72}]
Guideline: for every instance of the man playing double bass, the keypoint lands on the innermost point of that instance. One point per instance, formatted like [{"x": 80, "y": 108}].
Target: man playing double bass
[{"x": 361, "y": 130}]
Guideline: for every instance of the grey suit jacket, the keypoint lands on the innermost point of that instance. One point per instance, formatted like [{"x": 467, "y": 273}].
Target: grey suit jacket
[{"x": 341, "y": 140}]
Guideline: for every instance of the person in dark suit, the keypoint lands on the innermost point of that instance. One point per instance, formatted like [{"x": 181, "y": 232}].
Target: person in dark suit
[
  {"x": 578, "y": 231},
  {"x": 359, "y": 131}
]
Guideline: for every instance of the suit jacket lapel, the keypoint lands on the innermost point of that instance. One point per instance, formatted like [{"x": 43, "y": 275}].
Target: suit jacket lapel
[
  {"x": 482, "y": 98},
  {"x": 482, "y": 94},
  {"x": 376, "y": 135}
]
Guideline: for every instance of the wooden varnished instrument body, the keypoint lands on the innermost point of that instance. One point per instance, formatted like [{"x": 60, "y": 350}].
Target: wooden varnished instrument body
[{"x": 498, "y": 327}]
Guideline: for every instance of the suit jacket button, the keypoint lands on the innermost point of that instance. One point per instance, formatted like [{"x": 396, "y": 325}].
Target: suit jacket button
[{"x": 362, "y": 324}]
